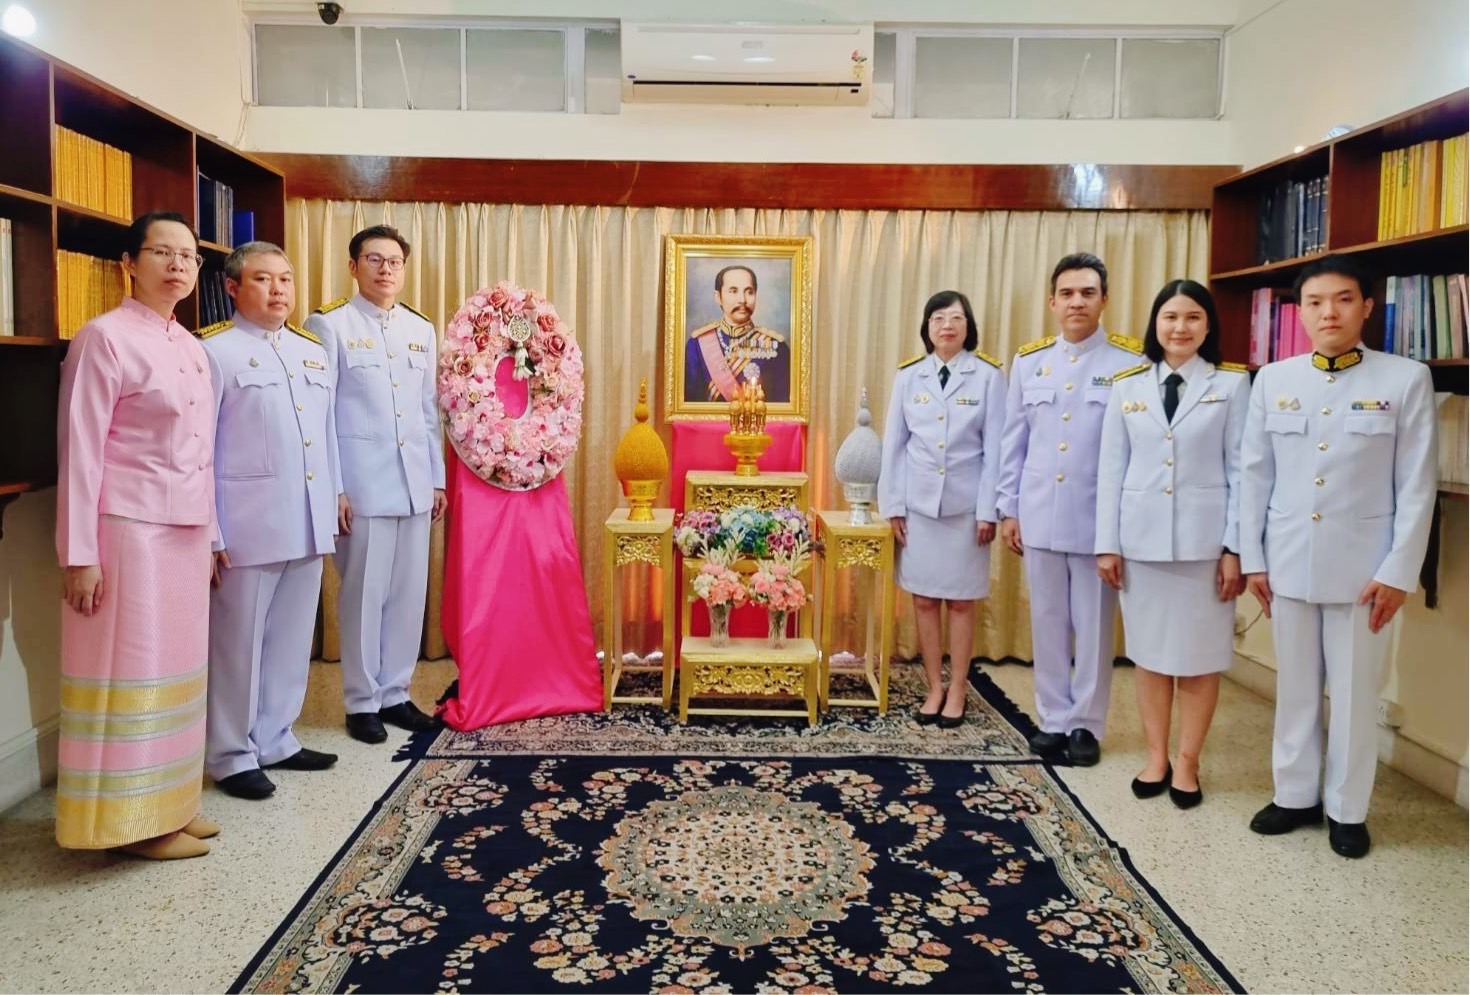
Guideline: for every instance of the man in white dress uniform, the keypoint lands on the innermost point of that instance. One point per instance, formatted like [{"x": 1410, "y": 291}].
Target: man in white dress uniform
[
  {"x": 1338, "y": 485},
  {"x": 383, "y": 354},
  {"x": 1059, "y": 391},
  {"x": 275, "y": 470}
]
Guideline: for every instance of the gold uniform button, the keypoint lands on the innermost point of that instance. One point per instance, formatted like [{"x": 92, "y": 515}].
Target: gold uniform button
[
  {"x": 395, "y": 383},
  {"x": 290, "y": 375},
  {"x": 941, "y": 418},
  {"x": 1316, "y": 517},
  {"x": 1062, "y": 446},
  {"x": 1071, "y": 359},
  {"x": 1319, "y": 481},
  {"x": 300, "y": 407},
  {"x": 1169, "y": 462},
  {"x": 306, "y": 442},
  {"x": 941, "y": 471},
  {"x": 1066, "y": 416},
  {"x": 1168, "y": 436},
  {"x": 1061, "y": 477},
  {"x": 1322, "y": 446},
  {"x": 1331, "y": 378},
  {"x": 1327, "y": 411},
  {"x": 400, "y": 414},
  {"x": 392, "y": 355},
  {"x": 400, "y": 442},
  {"x": 309, "y": 475},
  {"x": 1069, "y": 386},
  {"x": 1168, "y": 490}
]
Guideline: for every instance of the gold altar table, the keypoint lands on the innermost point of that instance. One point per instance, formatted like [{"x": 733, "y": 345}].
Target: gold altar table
[
  {"x": 748, "y": 668},
  {"x": 870, "y": 547},
  {"x": 626, "y": 543}
]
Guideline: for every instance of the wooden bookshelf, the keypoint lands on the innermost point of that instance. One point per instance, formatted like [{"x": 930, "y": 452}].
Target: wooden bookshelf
[
  {"x": 42, "y": 93},
  {"x": 1351, "y": 164}
]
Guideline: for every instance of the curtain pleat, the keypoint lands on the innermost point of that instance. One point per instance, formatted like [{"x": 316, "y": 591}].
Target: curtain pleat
[{"x": 872, "y": 272}]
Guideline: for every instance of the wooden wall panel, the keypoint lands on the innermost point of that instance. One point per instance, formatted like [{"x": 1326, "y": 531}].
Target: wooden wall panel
[{"x": 764, "y": 185}]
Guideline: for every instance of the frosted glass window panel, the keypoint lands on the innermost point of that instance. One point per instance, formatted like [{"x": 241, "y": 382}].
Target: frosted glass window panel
[
  {"x": 1050, "y": 68},
  {"x": 885, "y": 56},
  {"x": 962, "y": 77},
  {"x": 428, "y": 74},
  {"x": 603, "y": 72},
  {"x": 298, "y": 65},
  {"x": 514, "y": 70},
  {"x": 1171, "y": 77}
]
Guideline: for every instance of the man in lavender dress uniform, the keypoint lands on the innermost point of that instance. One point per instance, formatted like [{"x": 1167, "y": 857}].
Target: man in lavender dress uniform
[
  {"x": 387, "y": 425},
  {"x": 1058, "y": 394},
  {"x": 276, "y": 476}
]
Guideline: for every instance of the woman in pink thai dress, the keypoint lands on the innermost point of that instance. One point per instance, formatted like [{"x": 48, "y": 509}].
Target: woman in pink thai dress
[{"x": 134, "y": 523}]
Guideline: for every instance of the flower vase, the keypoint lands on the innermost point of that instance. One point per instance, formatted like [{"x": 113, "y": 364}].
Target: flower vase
[
  {"x": 776, "y": 631},
  {"x": 719, "y": 625}
]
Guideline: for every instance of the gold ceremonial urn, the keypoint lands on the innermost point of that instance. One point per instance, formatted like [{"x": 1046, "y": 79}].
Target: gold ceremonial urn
[{"x": 641, "y": 462}]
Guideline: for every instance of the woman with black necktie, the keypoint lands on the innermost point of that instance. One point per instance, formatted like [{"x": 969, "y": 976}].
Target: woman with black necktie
[{"x": 1167, "y": 518}]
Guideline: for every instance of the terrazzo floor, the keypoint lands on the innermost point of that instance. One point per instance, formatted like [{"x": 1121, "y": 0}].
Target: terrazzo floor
[{"x": 1283, "y": 914}]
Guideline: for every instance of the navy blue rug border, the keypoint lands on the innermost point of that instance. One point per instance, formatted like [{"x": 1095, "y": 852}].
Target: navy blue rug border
[{"x": 418, "y": 743}]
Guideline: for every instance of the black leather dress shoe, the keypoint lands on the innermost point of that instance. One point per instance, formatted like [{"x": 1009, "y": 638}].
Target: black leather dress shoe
[
  {"x": 366, "y": 727},
  {"x": 1152, "y": 789},
  {"x": 1048, "y": 745},
  {"x": 951, "y": 721},
  {"x": 1273, "y": 820},
  {"x": 1348, "y": 839},
  {"x": 250, "y": 784},
  {"x": 1083, "y": 749},
  {"x": 305, "y": 759},
  {"x": 406, "y": 715},
  {"x": 924, "y": 718}
]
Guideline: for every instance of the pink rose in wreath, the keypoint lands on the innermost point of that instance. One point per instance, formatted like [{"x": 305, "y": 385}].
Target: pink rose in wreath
[{"x": 511, "y": 449}]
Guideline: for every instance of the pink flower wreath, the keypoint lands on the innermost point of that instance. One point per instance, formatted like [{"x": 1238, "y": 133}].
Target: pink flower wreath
[{"x": 509, "y": 322}]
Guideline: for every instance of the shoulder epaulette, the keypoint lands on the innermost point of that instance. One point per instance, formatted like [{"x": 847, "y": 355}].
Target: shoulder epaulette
[
  {"x": 1234, "y": 368},
  {"x": 309, "y": 336},
  {"x": 912, "y": 360},
  {"x": 771, "y": 333},
  {"x": 332, "y": 305},
  {"x": 1126, "y": 342},
  {"x": 214, "y": 329},
  {"x": 410, "y": 307},
  {"x": 988, "y": 358},
  {"x": 1031, "y": 347},
  {"x": 1141, "y": 367},
  {"x": 704, "y": 328}
]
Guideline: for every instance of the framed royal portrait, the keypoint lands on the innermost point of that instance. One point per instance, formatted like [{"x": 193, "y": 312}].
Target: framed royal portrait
[{"x": 737, "y": 309}]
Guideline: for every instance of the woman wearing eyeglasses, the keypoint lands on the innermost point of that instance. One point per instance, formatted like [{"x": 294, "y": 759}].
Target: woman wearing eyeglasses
[{"x": 134, "y": 525}]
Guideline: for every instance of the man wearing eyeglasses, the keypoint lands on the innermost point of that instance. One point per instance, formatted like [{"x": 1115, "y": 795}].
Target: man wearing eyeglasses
[{"x": 383, "y": 354}]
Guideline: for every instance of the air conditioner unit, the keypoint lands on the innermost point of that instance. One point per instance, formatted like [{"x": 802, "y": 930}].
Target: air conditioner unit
[{"x": 826, "y": 64}]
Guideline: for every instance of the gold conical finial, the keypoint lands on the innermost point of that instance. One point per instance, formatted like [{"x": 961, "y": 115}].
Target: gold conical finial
[{"x": 641, "y": 462}]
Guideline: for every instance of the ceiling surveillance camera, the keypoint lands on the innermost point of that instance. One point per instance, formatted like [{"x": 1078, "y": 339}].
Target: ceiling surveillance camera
[{"x": 329, "y": 12}]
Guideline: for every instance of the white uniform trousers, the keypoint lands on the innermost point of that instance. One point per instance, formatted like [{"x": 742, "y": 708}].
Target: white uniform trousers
[
  {"x": 1331, "y": 640},
  {"x": 1072, "y": 614},
  {"x": 384, "y": 565},
  {"x": 261, "y": 621}
]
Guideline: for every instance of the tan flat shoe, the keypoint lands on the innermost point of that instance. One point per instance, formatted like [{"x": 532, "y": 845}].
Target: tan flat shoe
[
  {"x": 174, "y": 846},
  {"x": 201, "y": 828}
]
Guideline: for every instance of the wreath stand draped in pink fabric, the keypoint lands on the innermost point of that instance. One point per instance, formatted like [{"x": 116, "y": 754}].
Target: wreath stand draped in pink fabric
[{"x": 515, "y": 613}]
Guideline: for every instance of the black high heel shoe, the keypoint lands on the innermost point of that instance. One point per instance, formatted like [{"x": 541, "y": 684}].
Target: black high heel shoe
[{"x": 1152, "y": 789}]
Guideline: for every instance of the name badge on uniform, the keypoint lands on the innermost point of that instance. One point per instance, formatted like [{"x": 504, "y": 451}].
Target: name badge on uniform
[
  {"x": 1284, "y": 403},
  {"x": 1044, "y": 371},
  {"x": 417, "y": 347},
  {"x": 254, "y": 361},
  {"x": 1370, "y": 405},
  {"x": 312, "y": 364},
  {"x": 1102, "y": 381},
  {"x": 1212, "y": 398},
  {"x": 967, "y": 400},
  {"x": 922, "y": 398},
  {"x": 359, "y": 343}
]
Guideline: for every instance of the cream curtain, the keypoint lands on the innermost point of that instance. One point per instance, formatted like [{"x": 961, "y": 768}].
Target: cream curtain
[{"x": 873, "y": 270}]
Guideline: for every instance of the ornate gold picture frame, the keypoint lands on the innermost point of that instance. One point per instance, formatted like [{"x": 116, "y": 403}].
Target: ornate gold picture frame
[{"x": 737, "y": 308}]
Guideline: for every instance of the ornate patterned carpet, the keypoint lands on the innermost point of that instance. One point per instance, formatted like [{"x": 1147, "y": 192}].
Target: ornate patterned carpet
[{"x": 627, "y": 854}]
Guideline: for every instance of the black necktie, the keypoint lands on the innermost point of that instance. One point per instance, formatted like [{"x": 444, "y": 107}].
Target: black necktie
[
  {"x": 943, "y": 377},
  {"x": 1171, "y": 395}
]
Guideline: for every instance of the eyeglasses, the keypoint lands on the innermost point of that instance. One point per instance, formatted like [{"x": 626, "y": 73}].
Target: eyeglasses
[
  {"x": 187, "y": 256},
  {"x": 391, "y": 263}
]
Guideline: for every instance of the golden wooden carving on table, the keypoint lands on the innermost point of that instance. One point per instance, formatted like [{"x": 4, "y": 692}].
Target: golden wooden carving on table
[
  {"x": 638, "y": 549},
  {"x": 745, "y": 678},
  {"x": 626, "y": 542},
  {"x": 764, "y": 497},
  {"x": 869, "y": 547}
]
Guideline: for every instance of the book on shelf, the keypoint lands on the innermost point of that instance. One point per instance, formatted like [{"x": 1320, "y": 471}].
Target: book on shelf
[
  {"x": 214, "y": 304},
  {"x": 1424, "y": 316},
  {"x": 1292, "y": 220},
  {"x": 1421, "y": 188},
  {"x": 92, "y": 174},
  {"x": 244, "y": 228},
  {"x": 1454, "y": 438},
  {"x": 86, "y": 286},
  {"x": 1277, "y": 331},
  {"x": 216, "y": 212},
  {"x": 7, "y": 277}
]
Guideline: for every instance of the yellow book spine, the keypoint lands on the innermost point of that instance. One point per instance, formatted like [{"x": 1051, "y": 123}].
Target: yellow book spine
[
  {"x": 127, "y": 191},
  {"x": 1383, "y": 197}
]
